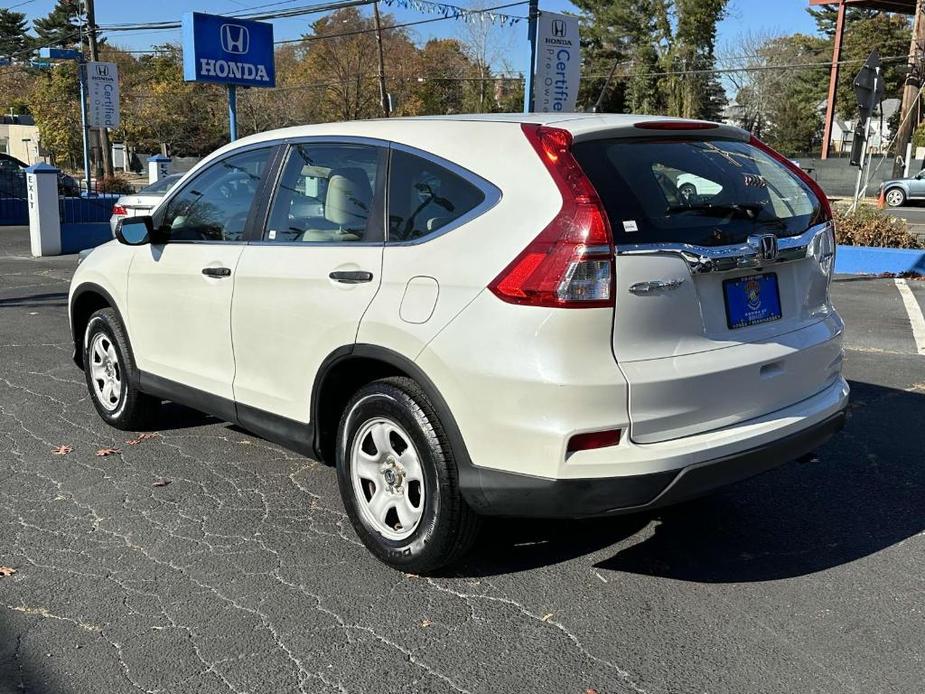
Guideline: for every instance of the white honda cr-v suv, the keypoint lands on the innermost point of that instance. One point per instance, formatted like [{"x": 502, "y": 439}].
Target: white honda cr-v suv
[{"x": 499, "y": 315}]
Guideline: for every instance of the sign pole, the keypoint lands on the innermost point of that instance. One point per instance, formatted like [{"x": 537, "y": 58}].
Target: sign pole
[
  {"x": 232, "y": 112},
  {"x": 531, "y": 36},
  {"x": 82, "y": 78}
]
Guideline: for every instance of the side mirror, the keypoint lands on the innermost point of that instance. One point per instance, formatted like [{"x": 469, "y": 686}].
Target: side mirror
[{"x": 135, "y": 231}]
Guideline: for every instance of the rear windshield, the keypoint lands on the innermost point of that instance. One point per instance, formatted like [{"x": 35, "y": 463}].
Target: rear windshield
[{"x": 703, "y": 192}]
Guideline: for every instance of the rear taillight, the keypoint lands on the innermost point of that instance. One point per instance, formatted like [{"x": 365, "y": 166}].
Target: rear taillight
[
  {"x": 570, "y": 264},
  {"x": 119, "y": 211},
  {"x": 800, "y": 173}
]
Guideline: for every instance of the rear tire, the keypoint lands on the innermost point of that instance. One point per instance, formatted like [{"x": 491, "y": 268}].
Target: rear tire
[
  {"x": 895, "y": 197},
  {"x": 112, "y": 378},
  {"x": 398, "y": 478}
]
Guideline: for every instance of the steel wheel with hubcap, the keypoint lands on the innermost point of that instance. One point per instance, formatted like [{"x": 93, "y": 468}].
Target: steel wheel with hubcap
[
  {"x": 105, "y": 372},
  {"x": 112, "y": 378},
  {"x": 387, "y": 478},
  {"x": 397, "y": 476},
  {"x": 895, "y": 197}
]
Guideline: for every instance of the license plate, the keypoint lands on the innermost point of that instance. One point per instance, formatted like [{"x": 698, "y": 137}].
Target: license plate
[{"x": 751, "y": 300}]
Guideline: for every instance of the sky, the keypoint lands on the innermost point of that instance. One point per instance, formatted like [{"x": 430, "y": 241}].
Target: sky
[{"x": 744, "y": 16}]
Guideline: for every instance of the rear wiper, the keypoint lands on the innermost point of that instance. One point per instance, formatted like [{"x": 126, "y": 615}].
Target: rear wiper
[{"x": 749, "y": 210}]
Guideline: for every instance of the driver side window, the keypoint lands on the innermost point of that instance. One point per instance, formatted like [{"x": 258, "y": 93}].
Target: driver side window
[
  {"x": 214, "y": 206},
  {"x": 424, "y": 197}
]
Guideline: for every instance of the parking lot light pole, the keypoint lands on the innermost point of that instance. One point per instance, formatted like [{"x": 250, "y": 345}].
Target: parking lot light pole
[
  {"x": 232, "y": 112},
  {"x": 76, "y": 56}
]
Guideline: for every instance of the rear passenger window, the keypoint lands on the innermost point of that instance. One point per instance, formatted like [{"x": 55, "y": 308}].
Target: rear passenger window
[
  {"x": 425, "y": 197},
  {"x": 326, "y": 195}
]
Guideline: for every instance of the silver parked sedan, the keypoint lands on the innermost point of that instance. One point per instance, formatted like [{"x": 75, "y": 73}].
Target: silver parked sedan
[
  {"x": 900, "y": 190},
  {"x": 143, "y": 201}
]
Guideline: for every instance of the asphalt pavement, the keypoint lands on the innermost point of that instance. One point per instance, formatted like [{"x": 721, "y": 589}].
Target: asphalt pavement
[{"x": 204, "y": 559}]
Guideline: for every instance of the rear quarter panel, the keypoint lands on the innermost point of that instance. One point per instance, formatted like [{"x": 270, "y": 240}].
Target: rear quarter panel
[{"x": 466, "y": 259}]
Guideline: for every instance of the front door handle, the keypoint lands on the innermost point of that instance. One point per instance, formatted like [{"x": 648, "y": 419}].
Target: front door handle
[
  {"x": 216, "y": 271},
  {"x": 351, "y": 276}
]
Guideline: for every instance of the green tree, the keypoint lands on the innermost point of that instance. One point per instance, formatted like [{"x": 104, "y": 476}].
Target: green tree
[
  {"x": 59, "y": 29},
  {"x": 160, "y": 108},
  {"x": 55, "y": 103},
  {"x": 664, "y": 51},
  {"x": 341, "y": 58},
  {"x": 865, "y": 30},
  {"x": 14, "y": 41},
  {"x": 778, "y": 103},
  {"x": 446, "y": 71}
]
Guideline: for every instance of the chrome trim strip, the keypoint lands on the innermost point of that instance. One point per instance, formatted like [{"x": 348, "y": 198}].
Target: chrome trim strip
[{"x": 702, "y": 259}]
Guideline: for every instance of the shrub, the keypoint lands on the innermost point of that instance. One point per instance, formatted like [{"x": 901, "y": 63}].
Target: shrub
[
  {"x": 869, "y": 226},
  {"x": 114, "y": 184}
]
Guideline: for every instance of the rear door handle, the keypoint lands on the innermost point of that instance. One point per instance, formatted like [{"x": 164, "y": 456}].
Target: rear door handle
[
  {"x": 351, "y": 276},
  {"x": 216, "y": 271}
]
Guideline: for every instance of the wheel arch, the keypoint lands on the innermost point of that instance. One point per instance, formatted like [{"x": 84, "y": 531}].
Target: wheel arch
[
  {"x": 349, "y": 368},
  {"x": 85, "y": 301}
]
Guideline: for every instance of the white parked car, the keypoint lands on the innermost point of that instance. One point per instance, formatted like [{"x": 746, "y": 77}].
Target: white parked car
[
  {"x": 477, "y": 315},
  {"x": 143, "y": 201}
]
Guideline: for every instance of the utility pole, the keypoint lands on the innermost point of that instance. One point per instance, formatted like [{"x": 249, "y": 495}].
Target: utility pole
[
  {"x": 94, "y": 56},
  {"x": 913, "y": 84},
  {"x": 833, "y": 79},
  {"x": 533, "y": 14},
  {"x": 383, "y": 94}
]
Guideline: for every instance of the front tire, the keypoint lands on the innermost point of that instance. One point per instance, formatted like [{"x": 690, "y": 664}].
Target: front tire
[
  {"x": 895, "y": 197},
  {"x": 112, "y": 378},
  {"x": 398, "y": 479}
]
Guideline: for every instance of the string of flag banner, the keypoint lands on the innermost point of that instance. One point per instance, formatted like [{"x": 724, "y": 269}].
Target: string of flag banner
[{"x": 455, "y": 12}]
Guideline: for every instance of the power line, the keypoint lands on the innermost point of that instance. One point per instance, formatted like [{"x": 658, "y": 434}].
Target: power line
[{"x": 397, "y": 26}]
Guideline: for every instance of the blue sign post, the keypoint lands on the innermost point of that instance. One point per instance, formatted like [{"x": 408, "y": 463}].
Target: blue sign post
[{"x": 230, "y": 51}]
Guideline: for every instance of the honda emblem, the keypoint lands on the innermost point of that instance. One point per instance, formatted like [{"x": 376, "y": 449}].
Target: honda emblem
[
  {"x": 235, "y": 38},
  {"x": 765, "y": 245},
  {"x": 558, "y": 28}
]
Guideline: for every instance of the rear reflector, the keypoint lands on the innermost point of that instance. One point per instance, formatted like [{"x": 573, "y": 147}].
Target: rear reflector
[
  {"x": 675, "y": 125},
  {"x": 593, "y": 439},
  {"x": 570, "y": 264}
]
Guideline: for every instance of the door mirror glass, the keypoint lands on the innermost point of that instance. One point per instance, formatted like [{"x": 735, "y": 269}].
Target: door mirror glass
[{"x": 135, "y": 231}]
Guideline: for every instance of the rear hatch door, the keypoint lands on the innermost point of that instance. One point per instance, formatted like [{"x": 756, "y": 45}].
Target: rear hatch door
[{"x": 724, "y": 256}]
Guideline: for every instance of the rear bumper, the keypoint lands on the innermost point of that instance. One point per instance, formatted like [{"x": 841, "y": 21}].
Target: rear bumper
[{"x": 494, "y": 492}]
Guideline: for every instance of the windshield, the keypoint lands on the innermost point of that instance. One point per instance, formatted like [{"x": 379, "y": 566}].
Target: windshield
[{"x": 703, "y": 192}]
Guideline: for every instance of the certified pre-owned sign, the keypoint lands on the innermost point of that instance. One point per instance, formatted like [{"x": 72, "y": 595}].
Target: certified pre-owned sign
[
  {"x": 558, "y": 63},
  {"x": 103, "y": 93},
  {"x": 227, "y": 50}
]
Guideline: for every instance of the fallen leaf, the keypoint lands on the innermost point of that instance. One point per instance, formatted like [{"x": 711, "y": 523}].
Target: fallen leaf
[
  {"x": 103, "y": 452},
  {"x": 61, "y": 450},
  {"x": 425, "y": 623},
  {"x": 547, "y": 617},
  {"x": 161, "y": 483},
  {"x": 6, "y": 571},
  {"x": 141, "y": 437},
  {"x": 591, "y": 691}
]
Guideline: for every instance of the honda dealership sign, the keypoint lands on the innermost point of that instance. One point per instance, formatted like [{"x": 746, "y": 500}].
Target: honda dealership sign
[
  {"x": 558, "y": 63},
  {"x": 103, "y": 95},
  {"x": 227, "y": 50}
]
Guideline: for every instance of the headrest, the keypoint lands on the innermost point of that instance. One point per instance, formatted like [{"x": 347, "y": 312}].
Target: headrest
[{"x": 348, "y": 198}]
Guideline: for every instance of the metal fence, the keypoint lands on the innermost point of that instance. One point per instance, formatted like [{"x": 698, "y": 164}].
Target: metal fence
[{"x": 14, "y": 209}]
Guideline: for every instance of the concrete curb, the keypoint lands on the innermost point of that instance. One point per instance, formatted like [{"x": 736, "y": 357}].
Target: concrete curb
[{"x": 864, "y": 260}]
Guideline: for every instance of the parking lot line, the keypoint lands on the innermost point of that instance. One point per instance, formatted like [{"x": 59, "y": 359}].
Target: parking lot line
[{"x": 915, "y": 314}]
